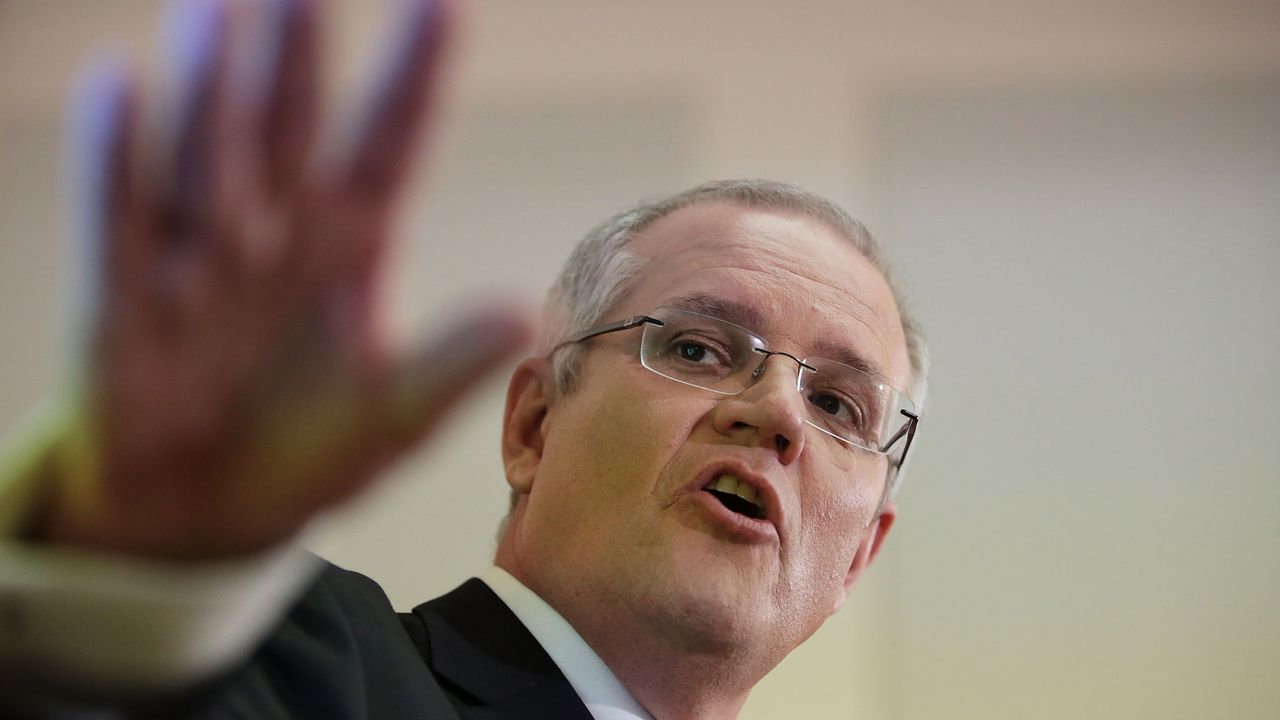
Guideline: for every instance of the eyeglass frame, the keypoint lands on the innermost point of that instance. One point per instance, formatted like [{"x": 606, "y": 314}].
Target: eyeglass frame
[{"x": 908, "y": 429}]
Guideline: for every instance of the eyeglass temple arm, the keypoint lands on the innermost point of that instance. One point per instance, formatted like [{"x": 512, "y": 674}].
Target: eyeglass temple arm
[
  {"x": 909, "y": 429},
  {"x": 611, "y": 327}
]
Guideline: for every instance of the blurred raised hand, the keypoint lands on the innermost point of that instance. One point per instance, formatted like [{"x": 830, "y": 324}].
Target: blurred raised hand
[{"x": 233, "y": 380}]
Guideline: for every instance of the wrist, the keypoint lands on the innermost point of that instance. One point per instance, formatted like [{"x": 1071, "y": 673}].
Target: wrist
[{"x": 54, "y": 494}]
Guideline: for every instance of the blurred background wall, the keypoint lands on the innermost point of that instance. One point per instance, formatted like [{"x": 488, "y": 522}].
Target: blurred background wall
[{"x": 1082, "y": 198}]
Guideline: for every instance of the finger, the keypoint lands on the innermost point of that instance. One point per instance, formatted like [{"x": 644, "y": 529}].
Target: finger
[
  {"x": 290, "y": 107},
  {"x": 420, "y": 390},
  {"x": 391, "y": 130},
  {"x": 103, "y": 131},
  {"x": 199, "y": 35}
]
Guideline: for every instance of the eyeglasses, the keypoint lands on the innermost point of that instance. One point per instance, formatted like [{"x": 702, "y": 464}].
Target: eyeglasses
[{"x": 852, "y": 405}]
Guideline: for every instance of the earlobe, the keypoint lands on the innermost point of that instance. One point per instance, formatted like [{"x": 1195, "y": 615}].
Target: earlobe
[
  {"x": 867, "y": 550},
  {"x": 524, "y": 423}
]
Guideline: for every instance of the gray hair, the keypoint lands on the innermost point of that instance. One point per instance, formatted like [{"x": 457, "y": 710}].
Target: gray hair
[{"x": 602, "y": 270}]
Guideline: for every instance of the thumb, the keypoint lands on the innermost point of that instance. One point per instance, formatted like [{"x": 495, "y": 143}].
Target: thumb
[{"x": 422, "y": 386}]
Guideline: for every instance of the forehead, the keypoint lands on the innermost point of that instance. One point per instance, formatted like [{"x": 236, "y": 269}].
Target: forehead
[{"x": 806, "y": 288}]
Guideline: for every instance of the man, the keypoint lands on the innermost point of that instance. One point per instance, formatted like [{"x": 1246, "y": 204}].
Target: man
[{"x": 702, "y": 451}]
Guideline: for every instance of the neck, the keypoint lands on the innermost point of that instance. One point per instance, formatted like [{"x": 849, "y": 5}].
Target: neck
[
  {"x": 672, "y": 683},
  {"x": 673, "y": 678}
]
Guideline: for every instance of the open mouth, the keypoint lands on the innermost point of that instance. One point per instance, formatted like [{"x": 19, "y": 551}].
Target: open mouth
[{"x": 739, "y": 497}]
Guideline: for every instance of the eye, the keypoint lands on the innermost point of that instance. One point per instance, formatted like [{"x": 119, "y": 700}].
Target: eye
[
  {"x": 829, "y": 404},
  {"x": 701, "y": 352},
  {"x": 841, "y": 411},
  {"x": 691, "y": 351}
]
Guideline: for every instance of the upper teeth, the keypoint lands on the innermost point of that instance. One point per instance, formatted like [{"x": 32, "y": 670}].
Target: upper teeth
[{"x": 727, "y": 483}]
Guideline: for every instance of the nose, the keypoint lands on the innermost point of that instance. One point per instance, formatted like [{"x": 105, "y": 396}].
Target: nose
[{"x": 769, "y": 412}]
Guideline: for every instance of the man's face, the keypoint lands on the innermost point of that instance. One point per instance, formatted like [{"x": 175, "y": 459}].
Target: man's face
[{"x": 617, "y": 528}]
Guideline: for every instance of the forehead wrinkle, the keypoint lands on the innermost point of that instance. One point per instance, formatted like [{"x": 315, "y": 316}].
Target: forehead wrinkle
[{"x": 805, "y": 272}]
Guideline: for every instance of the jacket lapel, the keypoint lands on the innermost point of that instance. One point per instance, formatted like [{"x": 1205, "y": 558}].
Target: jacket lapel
[{"x": 489, "y": 662}]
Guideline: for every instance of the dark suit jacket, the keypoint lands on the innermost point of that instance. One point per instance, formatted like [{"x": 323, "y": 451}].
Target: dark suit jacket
[{"x": 344, "y": 653}]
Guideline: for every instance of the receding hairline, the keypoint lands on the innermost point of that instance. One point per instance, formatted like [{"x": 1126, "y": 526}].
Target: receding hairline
[{"x": 603, "y": 267}]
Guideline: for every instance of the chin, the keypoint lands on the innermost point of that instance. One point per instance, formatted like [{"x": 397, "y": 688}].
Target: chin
[{"x": 721, "y": 616}]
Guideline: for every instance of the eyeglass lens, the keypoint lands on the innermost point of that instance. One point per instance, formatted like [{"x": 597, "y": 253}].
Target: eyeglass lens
[{"x": 846, "y": 402}]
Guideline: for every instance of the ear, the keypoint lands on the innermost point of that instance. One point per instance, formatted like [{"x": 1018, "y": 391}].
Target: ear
[
  {"x": 872, "y": 539},
  {"x": 524, "y": 423}
]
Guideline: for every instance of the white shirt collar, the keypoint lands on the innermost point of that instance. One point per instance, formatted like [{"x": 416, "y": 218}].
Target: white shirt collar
[{"x": 604, "y": 695}]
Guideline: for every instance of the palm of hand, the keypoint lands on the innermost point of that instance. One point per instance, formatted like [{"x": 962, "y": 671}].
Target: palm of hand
[{"x": 234, "y": 378}]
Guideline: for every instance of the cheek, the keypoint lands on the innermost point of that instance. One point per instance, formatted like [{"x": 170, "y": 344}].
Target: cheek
[
  {"x": 615, "y": 446},
  {"x": 845, "y": 482},
  {"x": 837, "y": 506}
]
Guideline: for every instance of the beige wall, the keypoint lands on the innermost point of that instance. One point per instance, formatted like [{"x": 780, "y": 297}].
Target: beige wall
[{"x": 1081, "y": 197}]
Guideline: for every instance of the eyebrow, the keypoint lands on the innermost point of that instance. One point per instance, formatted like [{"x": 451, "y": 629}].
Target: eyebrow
[
  {"x": 848, "y": 357},
  {"x": 750, "y": 317},
  {"x": 720, "y": 308}
]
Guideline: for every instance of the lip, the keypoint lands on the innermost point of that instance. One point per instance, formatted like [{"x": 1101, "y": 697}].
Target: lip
[{"x": 740, "y": 527}]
